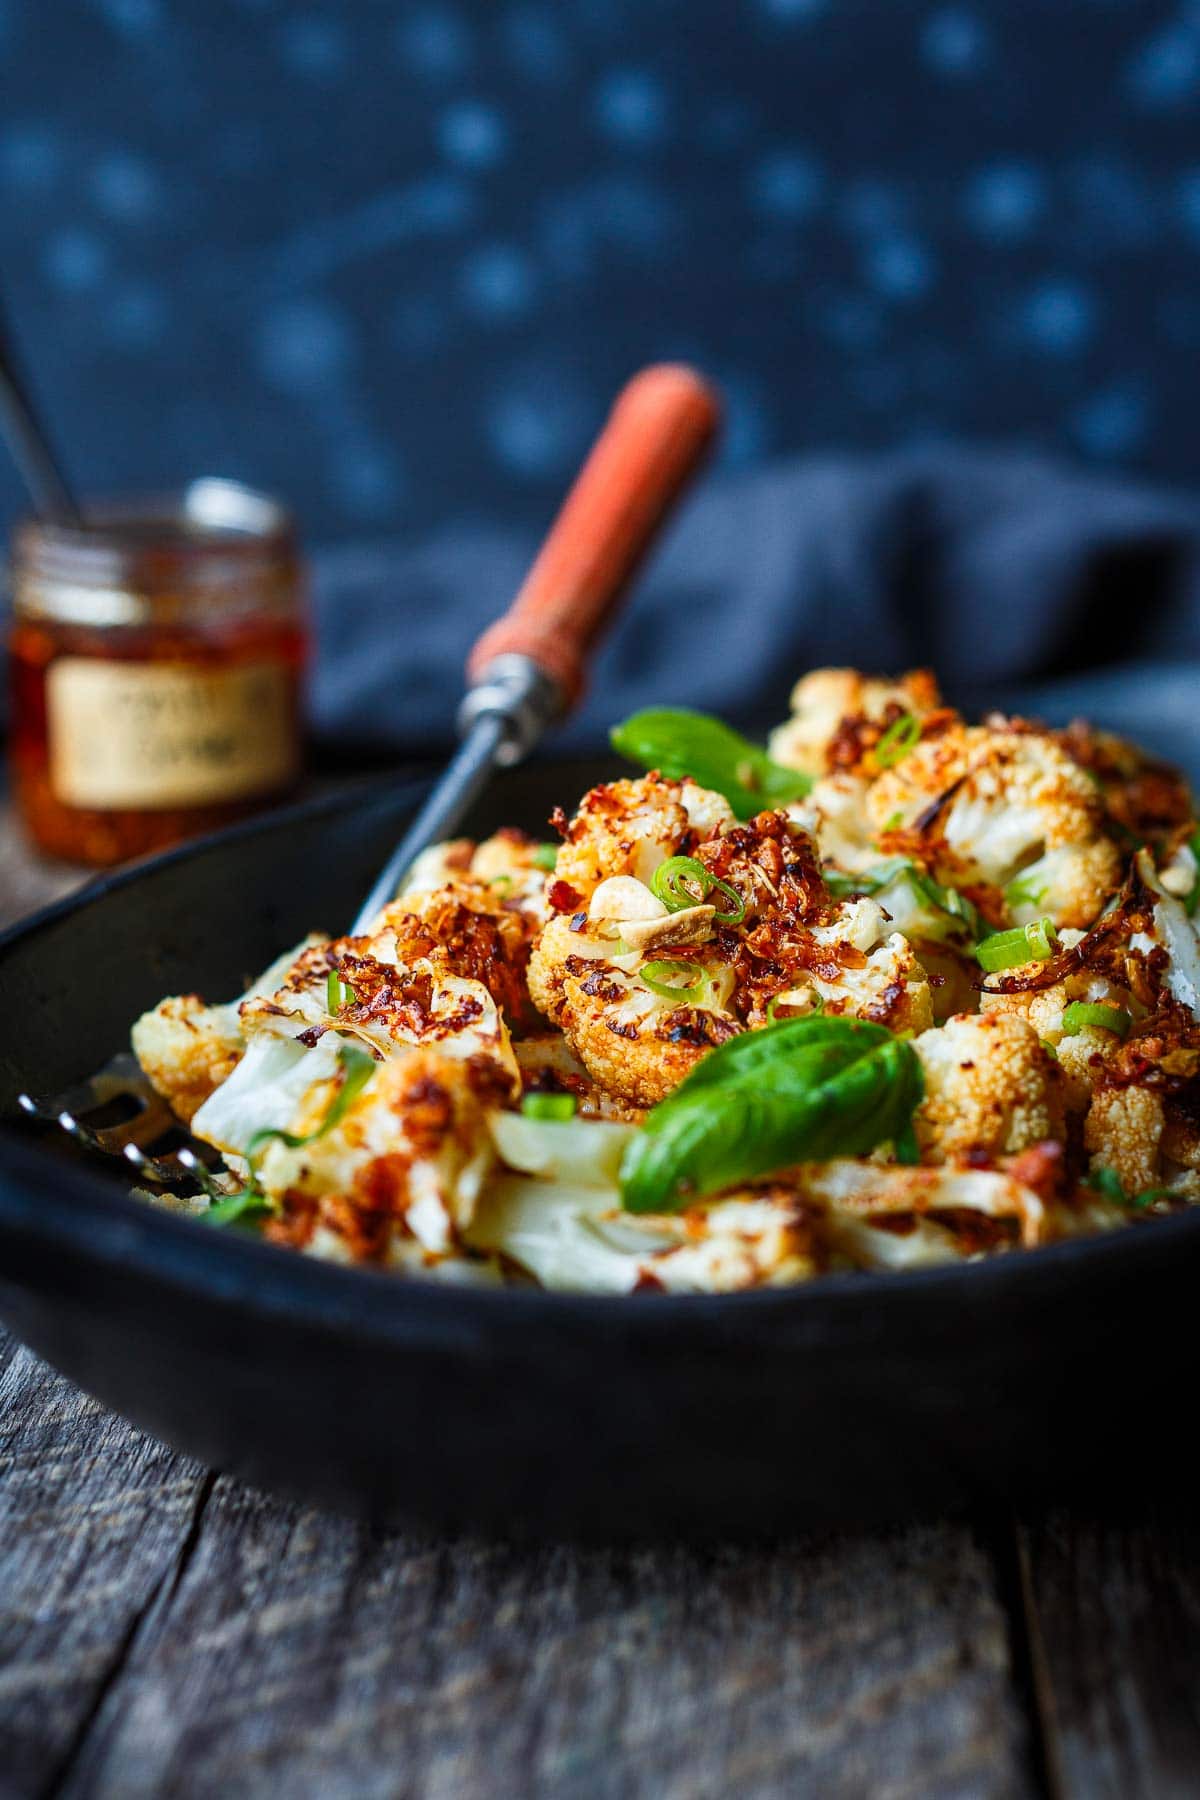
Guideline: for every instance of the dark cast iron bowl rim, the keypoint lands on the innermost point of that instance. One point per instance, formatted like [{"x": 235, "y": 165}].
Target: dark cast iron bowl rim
[{"x": 85, "y": 1215}]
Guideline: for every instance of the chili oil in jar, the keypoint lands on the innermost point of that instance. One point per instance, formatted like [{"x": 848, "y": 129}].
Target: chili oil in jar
[{"x": 156, "y": 660}]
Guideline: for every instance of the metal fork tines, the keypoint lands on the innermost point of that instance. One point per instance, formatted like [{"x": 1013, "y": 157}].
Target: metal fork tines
[{"x": 134, "y": 1137}]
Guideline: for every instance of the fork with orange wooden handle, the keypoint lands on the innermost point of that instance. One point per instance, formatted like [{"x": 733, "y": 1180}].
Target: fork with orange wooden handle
[{"x": 528, "y": 669}]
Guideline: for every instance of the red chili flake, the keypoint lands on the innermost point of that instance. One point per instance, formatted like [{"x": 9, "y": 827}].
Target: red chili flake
[
  {"x": 648, "y": 1284},
  {"x": 563, "y": 897}
]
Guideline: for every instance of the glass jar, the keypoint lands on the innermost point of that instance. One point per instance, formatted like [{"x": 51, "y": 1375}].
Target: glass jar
[{"x": 156, "y": 658}]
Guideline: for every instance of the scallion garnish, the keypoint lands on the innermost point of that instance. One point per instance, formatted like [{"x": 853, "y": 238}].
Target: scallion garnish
[
  {"x": 1025, "y": 943},
  {"x": 1193, "y": 899},
  {"x": 658, "y": 977},
  {"x": 557, "y": 1107},
  {"x": 901, "y": 736},
  {"x": 1107, "y": 1182},
  {"x": 546, "y": 856},
  {"x": 1082, "y": 1013},
  {"x": 1023, "y": 891},
  {"x": 682, "y": 881},
  {"x": 338, "y": 993},
  {"x": 811, "y": 1012}
]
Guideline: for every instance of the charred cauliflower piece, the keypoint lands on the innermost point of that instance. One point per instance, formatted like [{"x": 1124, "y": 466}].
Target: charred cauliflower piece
[
  {"x": 834, "y": 812},
  {"x": 630, "y": 828},
  {"x": 1141, "y": 1092},
  {"x": 839, "y": 715},
  {"x": 1003, "y": 808},
  {"x": 464, "y": 929},
  {"x": 1147, "y": 800},
  {"x": 187, "y": 1048},
  {"x": 406, "y": 1162},
  {"x": 990, "y": 1089},
  {"x": 641, "y": 993},
  {"x": 511, "y": 866}
]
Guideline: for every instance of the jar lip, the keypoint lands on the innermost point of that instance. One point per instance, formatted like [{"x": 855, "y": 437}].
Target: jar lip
[
  {"x": 132, "y": 555},
  {"x": 212, "y": 515}
]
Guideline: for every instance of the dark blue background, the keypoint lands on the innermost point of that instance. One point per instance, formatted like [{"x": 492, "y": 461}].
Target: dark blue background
[{"x": 392, "y": 259}]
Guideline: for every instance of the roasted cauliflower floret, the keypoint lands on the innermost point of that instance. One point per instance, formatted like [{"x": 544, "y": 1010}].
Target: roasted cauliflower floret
[
  {"x": 641, "y": 993},
  {"x": 1082, "y": 1053},
  {"x": 548, "y": 1065},
  {"x": 868, "y": 1191},
  {"x": 838, "y": 715},
  {"x": 990, "y": 1089},
  {"x": 465, "y": 929},
  {"x": 1003, "y": 808},
  {"x": 511, "y": 866},
  {"x": 1146, "y": 799},
  {"x": 186, "y": 1049},
  {"x": 447, "y": 966},
  {"x": 635, "y": 1043},
  {"x": 630, "y": 828},
  {"x": 1123, "y": 1132},
  {"x": 407, "y": 1161},
  {"x": 834, "y": 812}
]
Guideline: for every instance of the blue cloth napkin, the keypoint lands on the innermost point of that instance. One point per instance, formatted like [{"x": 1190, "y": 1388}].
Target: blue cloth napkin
[{"x": 1021, "y": 581}]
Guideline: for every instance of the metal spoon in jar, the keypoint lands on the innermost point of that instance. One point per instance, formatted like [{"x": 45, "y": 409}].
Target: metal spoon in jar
[{"x": 29, "y": 441}]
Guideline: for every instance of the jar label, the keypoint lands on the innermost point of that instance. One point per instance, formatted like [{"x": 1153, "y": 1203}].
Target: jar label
[{"x": 158, "y": 735}]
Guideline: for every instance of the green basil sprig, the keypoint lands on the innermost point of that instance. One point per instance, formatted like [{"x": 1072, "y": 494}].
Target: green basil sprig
[
  {"x": 800, "y": 1091},
  {"x": 680, "y": 743},
  {"x": 357, "y": 1068}
]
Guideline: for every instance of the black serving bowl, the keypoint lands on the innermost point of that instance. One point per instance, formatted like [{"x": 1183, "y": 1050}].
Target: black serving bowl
[{"x": 853, "y": 1398}]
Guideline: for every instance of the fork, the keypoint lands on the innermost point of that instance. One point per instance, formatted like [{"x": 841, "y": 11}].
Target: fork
[{"x": 525, "y": 672}]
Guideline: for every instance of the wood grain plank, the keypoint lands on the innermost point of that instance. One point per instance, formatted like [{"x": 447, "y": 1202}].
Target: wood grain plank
[
  {"x": 1114, "y": 1622},
  {"x": 93, "y": 1517},
  {"x": 303, "y": 1655}
]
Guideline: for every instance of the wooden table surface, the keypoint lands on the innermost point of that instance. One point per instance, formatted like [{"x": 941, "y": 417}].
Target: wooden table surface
[{"x": 167, "y": 1630}]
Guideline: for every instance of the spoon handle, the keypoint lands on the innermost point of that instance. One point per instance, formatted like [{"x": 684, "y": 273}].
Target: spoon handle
[{"x": 28, "y": 441}]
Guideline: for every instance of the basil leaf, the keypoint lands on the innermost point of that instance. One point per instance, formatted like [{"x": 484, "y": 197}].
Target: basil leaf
[
  {"x": 802, "y": 1091},
  {"x": 682, "y": 743}
]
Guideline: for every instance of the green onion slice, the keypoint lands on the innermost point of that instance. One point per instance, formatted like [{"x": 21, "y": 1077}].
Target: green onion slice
[
  {"x": 1026, "y": 943},
  {"x": 1023, "y": 891},
  {"x": 901, "y": 736},
  {"x": 658, "y": 977},
  {"x": 338, "y": 993},
  {"x": 549, "y": 1106},
  {"x": 1193, "y": 899},
  {"x": 675, "y": 881},
  {"x": 680, "y": 743},
  {"x": 1082, "y": 1013},
  {"x": 546, "y": 856},
  {"x": 813, "y": 1012},
  {"x": 1107, "y": 1182}
]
